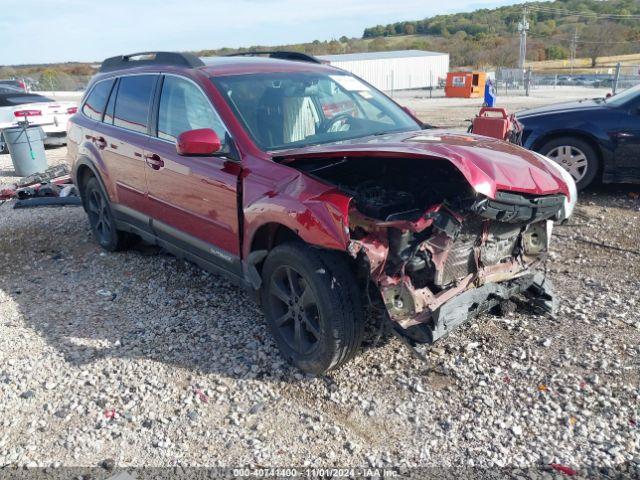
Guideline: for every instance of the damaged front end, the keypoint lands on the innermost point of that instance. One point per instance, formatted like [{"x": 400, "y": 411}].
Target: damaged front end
[{"x": 438, "y": 251}]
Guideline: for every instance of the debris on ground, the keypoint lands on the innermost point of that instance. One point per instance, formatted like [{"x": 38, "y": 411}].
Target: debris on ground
[{"x": 51, "y": 188}]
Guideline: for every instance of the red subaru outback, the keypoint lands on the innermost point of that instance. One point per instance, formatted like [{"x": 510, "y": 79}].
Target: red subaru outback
[{"x": 310, "y": 187}]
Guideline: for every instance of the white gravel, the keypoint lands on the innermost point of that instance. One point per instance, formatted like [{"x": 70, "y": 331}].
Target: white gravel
[{"x": 139, "y": 359}]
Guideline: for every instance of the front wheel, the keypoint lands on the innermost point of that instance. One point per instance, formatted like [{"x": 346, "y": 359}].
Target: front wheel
[
  {"x": 574, "y": 155},
  {"x": 312, "y": 306}
]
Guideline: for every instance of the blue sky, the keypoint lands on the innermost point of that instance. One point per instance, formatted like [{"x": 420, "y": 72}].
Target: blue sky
[{"x": 42, "y": 31}]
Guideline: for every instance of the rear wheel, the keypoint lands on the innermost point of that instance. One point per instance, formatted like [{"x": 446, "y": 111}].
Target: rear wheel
[
  {"x": 576, "y": 156},
  {"x": 312, "y": 306},
  {"x": 101, "y": 218}
]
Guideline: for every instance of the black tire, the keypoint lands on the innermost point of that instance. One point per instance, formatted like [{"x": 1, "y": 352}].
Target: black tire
[
  {"x": 576, "y": 145},
  {"x": 314, "y": 293},
  {"x": 101, "y": 218}
]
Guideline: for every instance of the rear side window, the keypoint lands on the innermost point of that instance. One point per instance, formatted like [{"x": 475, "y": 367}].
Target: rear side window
[
  {"x": 132, "y": 102},
  {"x": 97, "y": 99},
  {"x": 184, "y": 107}
]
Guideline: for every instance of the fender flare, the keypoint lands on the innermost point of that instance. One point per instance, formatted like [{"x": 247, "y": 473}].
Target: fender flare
[{"x": 85, "y": 162}]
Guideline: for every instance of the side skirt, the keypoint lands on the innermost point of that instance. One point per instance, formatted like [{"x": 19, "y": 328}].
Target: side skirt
[{"x": 182, "y": 245}]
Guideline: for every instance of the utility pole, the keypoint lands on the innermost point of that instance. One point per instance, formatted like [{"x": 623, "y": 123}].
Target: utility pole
[
  {"x": 523, "y": 26},
  {"x": 574, "y": 47}
]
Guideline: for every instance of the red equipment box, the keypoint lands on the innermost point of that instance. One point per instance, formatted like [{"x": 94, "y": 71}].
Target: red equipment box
[{"x": 495, "y": 126}]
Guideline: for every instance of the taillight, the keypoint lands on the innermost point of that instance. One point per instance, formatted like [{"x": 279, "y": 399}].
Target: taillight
[
  {"x": 72, "y": 110},
  {"x": 27, "y": 113}
]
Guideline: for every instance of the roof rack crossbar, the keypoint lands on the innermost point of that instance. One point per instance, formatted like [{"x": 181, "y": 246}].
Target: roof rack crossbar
[
  {"x": 279, "y": 54},
  {"x": 154, "y": 58}
]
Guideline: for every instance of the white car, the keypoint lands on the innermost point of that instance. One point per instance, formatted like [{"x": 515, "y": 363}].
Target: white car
[{"x": 49, "y": 114}]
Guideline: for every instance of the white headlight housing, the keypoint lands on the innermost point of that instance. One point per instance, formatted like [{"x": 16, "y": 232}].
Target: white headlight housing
[{"x": 570, "y": 202}]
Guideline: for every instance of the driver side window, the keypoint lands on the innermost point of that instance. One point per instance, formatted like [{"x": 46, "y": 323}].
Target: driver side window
[{"x": 184, "y": 107}]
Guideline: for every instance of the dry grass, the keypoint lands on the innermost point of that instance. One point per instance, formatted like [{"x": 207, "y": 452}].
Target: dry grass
[{"x": 583, "y": 65}]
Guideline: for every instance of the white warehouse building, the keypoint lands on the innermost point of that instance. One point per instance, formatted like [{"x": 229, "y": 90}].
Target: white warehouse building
[{"x": 396, "y": 70}]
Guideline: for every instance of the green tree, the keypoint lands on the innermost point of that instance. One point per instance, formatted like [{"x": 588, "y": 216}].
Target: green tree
[
  {"x": 600, "y": 38},
  {"x": 556, "y": 52}
]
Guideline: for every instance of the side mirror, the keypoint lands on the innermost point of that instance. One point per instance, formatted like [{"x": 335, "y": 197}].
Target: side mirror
[{"x": 202, "y": 141}]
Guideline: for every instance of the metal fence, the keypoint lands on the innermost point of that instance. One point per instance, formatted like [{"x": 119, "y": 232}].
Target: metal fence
[
  {"x": 511, "y": 81},
  {"x": 507, "y": 81},
  {"x": 627, "y": 76}
]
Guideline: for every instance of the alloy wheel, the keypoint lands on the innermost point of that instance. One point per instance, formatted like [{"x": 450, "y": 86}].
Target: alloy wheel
[
  {"x": 99, "y": 216},
  {"x": 295, "y": 308},
  {"x": 572, "y": 159}
]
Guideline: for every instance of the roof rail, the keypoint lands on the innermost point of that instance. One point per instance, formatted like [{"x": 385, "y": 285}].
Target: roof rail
[
  {"x": 279, "y": 54},
  {"x": 150, "y": 58}
]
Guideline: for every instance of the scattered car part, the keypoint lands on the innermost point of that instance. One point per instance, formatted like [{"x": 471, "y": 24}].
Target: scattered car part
[{"x": 48, "y": 202}]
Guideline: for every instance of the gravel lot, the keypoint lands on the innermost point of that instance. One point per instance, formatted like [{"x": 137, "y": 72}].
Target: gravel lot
[{"x": 137, "y": 358}]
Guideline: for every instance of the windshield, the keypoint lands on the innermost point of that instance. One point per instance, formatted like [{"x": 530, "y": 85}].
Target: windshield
[
  {"x": 287, "y": 110},
  {"x": 624, "y": 96}
]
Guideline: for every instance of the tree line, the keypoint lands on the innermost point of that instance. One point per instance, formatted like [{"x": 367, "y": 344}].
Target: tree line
[{"x": 552, "y": 27}]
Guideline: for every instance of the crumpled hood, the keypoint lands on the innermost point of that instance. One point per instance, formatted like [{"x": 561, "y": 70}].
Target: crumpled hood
[
  {"x": 488, "y": 164},
  {"x": 559, "y": 108}
]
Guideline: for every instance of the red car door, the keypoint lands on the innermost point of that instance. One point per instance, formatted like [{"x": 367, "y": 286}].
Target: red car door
[
  {"x": 123, "y": 140},
  {"x": 194, "y": 200}
]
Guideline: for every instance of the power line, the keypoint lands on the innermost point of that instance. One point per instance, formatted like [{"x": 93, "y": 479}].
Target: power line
[
  {"x": 565, "y": 38},
  {"x": 569, "y": 13}
]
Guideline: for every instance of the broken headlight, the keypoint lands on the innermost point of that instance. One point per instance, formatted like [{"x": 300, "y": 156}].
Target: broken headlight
[{"x": 570, "y": 202}]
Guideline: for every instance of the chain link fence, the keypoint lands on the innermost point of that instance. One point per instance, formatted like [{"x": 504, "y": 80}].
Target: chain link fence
[
  {"x": 513, "y": 81},
  {"x": 506, "y": 81}
]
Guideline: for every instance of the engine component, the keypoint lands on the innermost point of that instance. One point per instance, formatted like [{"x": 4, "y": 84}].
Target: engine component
[
  {"x": 379, "y": 202},
  {"x": 399, "y": 301},
  {"x": 535, "y": 239},
  {"x": 500, "y": 243},
  {"x": 460, "y": 260}
]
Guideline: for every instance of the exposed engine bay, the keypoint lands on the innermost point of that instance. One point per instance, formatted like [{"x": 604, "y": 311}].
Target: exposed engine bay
[
  {"x": 437, "y": 250},
  {"x": 391, "y": 189}
]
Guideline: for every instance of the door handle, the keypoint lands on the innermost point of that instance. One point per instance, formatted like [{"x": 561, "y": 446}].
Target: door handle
[
  {"x": 154, "y": 161},
  {"x": 100, "y": 142}
]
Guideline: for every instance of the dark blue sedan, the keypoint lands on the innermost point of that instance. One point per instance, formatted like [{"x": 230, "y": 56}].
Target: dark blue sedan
[{"x": 592, "y": 139}]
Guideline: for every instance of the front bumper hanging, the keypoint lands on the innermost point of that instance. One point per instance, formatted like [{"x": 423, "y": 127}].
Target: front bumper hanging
[{"x": 475, "y": 301}]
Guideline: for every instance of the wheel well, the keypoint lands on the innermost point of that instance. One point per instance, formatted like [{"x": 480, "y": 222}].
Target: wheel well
[
  {"x": 83, "y": 174},
  {"x": 271, "y": 235}
]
